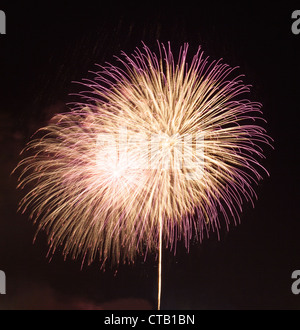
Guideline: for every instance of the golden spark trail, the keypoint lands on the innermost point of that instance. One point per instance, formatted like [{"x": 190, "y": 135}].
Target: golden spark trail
[{"x": 159, "y": 263}]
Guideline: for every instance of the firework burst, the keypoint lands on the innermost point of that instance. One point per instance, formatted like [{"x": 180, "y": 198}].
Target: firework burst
[{"x": 156, "y": 150}]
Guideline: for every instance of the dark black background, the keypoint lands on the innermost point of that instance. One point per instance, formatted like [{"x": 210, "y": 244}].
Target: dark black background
[{"x": 47, "y": 46}]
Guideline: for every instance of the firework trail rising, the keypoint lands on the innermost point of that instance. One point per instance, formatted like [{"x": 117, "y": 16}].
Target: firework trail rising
[{"x": 156, "y": 150}]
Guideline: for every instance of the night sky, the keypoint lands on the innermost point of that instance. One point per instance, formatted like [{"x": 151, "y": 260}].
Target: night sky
[{"x": 47, "y": 47}]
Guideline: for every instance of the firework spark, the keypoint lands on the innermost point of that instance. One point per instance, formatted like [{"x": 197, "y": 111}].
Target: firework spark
[{"x": 157, "y": 150}]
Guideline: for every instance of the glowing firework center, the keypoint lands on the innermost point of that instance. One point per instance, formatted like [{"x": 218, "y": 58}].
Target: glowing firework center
[{"x": 125, "y": 152}]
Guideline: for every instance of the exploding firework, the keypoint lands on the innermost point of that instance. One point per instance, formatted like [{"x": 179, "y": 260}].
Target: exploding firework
[{"x": 156, "y": 151}]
